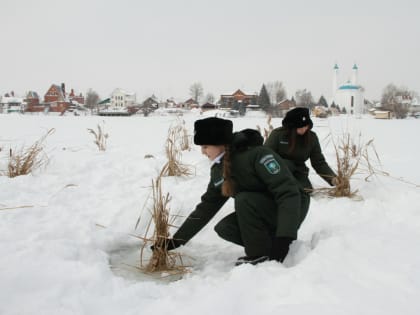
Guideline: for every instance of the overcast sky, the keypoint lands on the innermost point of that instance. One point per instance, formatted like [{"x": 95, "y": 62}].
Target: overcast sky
[{"x": 163, "y": 46}]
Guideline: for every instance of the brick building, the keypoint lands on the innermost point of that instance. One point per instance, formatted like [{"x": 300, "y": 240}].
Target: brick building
[
  {"x": 32, "y": 102},
  {"x": 236, "y": 99}
]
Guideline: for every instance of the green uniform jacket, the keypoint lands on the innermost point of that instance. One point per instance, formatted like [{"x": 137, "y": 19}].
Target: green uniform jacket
[
  {"x": 278, "y": 141},
  {"x": 258, "y": 169}
]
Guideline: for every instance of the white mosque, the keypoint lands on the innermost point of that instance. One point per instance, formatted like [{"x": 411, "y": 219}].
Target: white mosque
[{"x": 350, "y": 94}]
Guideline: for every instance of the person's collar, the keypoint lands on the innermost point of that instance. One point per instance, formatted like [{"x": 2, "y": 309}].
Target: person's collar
[{"x": 218, "y": 159}]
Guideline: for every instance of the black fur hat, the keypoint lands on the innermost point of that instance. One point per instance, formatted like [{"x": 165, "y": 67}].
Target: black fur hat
[
  {"x": 246, "y": 138},
  {"x": 212, "y": 131},
  {"x": 296, "y": 118}
]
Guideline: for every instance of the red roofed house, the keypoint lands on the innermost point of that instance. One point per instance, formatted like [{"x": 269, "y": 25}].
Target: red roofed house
[
  {"x": 57, "y": 100},
  {"x": 76, "y": 98},
  {"x": 239, "y": 97},
  {"x": 32, "y": 102}
]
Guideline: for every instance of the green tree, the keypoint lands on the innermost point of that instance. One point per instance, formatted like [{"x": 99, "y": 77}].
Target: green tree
[
  {"x": 322, "y": 101},
  {"x": 264, "y": 99}
]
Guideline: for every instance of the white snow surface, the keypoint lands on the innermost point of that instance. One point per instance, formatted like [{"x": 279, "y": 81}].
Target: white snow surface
[{"x": 70, "y": 249}]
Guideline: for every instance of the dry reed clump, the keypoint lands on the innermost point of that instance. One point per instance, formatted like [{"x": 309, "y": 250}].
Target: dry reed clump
[
  {"x": 268, "y": 130},
  {"x": 162, "y": 260},
  {"x": 185, "y": 138},
  {"x": 27, "y": 160},
  {"x": 352, "y": 158},
  {"x": 174, "y": 144},
  {"x": 181, "y": 136},
  {"x": 100, "y": 137}
]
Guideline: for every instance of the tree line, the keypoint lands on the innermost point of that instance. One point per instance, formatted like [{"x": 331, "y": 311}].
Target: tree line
[{"x": 393, "y": 98}]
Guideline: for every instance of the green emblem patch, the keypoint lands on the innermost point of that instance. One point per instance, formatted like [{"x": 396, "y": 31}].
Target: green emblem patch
[
  {"x": 272, "y": 166},
  {"x": 270, "y": 163}
]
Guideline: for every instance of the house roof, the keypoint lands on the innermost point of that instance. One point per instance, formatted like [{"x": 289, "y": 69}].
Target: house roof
[
  {"x": 59, "y": 90},
  {"x": 32, "y": 94},
  {"x": 11, "y": 99},
  {"x": 237, "y": 92},
  {"x": 119, "y": 90},
  {"x": 105, "y": 101}
]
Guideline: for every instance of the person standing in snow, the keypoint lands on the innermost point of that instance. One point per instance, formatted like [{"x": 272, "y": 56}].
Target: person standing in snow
[
  {"x": 295, "y": 142},
  {"x": 268, "y": 201}
]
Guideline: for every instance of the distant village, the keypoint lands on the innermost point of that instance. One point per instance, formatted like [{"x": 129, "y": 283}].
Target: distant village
[{"x": 348, "y": 98}]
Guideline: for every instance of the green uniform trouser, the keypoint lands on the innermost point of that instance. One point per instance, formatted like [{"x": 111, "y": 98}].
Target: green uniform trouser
[{"x": 253, "y": 224}]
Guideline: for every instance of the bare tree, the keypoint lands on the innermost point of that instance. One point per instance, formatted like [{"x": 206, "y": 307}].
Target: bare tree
[
  {"x": 209, "y": 98},
  {"x": 276, "y": 91},
  {"x": 304, "y": 98},
  {"x": 92, "y": 99},
  {"x": 196, "y": 91},
  {"x": 397, "y": 100}
]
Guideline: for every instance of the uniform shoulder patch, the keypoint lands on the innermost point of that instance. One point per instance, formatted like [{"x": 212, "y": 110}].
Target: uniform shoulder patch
[{"x": 270, "y": 164}]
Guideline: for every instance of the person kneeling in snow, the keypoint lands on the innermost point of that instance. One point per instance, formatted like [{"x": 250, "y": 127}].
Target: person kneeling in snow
[{"x": 269, "y": 204}]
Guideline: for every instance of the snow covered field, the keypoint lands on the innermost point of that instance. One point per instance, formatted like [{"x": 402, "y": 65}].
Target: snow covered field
[{"x": 352, "y": 257}]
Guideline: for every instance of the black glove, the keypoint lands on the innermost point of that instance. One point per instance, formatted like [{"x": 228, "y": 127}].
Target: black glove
[
  {"x": 280, "y": 248},
  {"x": 170, "y": 244}
]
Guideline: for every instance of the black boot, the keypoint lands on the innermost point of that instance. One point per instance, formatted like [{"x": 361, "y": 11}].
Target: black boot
[{"x": 253, "y": 260}]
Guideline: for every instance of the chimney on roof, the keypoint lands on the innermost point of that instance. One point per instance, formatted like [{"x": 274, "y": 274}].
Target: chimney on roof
[{"x": 63, "y": 88}]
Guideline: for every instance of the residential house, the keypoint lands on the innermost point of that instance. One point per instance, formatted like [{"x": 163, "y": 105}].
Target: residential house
[
  {"x": 235, "y": 100},
  {"x": 32, "y": 102},
  {"x": 151, "y": 102},
  {"x": 169, "y": 103},
  {"x": 189, "y": 104},
  {"x": 281, "y": 108},
  {"x": 76, "y": 99},
  {"x": 208, "y": 106},
  {"x": 121, "y": 99},
  {"x": 55, "y": 99},
  {"x": 149, "y": 105},
  {"x": 11, "y": 104}
]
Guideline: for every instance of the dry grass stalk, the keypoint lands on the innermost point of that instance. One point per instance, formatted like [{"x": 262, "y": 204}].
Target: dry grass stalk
[
  {"x": 174, "y": 167},
  {"x": 268, "y": 130},
  {"x": 185, "y": 139},
  {"x": 352, "y": 158},
  {"x": 100, "y": 138},
  {"x": 162, "y": 260},
  {"x": 18, "y": 207},
  {"x": 27, "y": 160},
  {"x": 347, "y": 163}
]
